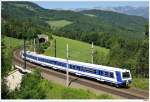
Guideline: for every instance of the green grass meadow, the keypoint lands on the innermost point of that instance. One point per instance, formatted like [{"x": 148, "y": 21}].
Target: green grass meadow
[
  {"x": 90, "y": 15},
  {"x": 59, "y": 23},
  {"x": 77, "y": 50}
]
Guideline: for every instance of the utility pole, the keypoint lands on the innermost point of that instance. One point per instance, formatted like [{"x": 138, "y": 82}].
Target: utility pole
[
  {"x": 38, "y": 46},
  {"x": 34, "y": 45},
  {"x": 67, "y": 73},
  {"x": 92, "y": 54},
  {"x": 55, "y": 47},
  {"x": 24, "y": 53}
]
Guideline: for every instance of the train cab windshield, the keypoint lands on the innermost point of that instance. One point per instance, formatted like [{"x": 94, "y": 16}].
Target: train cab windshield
[{"x": 126, "y": 75}]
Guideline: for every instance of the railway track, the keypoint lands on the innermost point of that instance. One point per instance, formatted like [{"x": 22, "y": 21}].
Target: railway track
[{"x": 127, "y": 93}]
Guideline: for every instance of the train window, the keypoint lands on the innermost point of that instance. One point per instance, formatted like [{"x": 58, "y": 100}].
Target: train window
[
  {"x": 89, "y": 70},
  {"x": 78, "y": 67},
  {"x": 32, "y": 57},
  {"x": 126, "y": 75},
  {"x": 85, "y": 69},
  {"x": 49, "y": 61},
  {"x": 100, "y": 72},
  {"x": 27, "y": 55},
  {"x": 64, "y": 64},
  {"x": 61, "y": 64},
  {"x": 43, "y": 59},
  {"x": 74, "y": 67},
  {"x": 81, "y": 68},
  {"x": 93, "y": 71},
  {"x": 53, "y": 62},
  {"x": 70, "y": 66},
  {"x": 103, "y": 73},
  {"x": 111, "y": 75},
  {"x": 58, "y": 63},
  {"x": 40, "y": 59},
  {"x": 106, "y": 74},
  {"x": 46, "y": 60}
]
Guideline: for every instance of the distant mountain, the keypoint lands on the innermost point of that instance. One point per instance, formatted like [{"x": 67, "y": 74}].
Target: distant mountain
[
  {"x": 137, "y": 11},
  {"x": 83, "y": 22}
]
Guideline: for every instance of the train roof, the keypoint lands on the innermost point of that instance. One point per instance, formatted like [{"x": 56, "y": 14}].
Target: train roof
[{"x": 95, "y": 66}]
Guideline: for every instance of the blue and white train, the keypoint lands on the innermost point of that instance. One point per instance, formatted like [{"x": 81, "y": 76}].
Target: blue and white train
[{"x": 116, "y": 76}]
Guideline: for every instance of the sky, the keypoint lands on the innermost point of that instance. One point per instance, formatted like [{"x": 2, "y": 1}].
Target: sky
[{"x": 88, "y": 4}]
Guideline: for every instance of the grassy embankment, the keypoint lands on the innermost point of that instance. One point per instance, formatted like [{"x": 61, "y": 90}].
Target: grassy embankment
[
  {"x": 35, "y": 87},
  {"x": 61, "y": 92},
  {"x": 141, "y": 83},
  {"x": 77, "y": 50}
]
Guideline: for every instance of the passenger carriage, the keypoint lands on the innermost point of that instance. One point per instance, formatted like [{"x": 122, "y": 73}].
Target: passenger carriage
[{"x": 117, "y": 76}]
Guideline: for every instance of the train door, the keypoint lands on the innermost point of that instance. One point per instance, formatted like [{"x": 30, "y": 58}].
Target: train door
[{"x": 118, "y": 76}]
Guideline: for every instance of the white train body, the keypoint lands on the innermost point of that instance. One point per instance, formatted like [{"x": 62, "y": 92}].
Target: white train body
[{"x": 117, "y": 76}]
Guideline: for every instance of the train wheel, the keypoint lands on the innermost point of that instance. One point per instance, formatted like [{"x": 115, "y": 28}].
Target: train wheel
[
  {"x": 117, "y": 86},
  {"x": 111, "y": 84}
]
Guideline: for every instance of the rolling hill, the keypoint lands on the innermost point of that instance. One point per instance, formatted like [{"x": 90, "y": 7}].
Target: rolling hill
[{"x": 81, "y": 22}]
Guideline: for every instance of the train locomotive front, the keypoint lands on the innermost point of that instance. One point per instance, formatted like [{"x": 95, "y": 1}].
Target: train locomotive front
[{"x": 123, "y": 78}]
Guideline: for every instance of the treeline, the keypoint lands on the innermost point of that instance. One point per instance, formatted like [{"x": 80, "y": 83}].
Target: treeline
[
  {"x": 5, "y": 68},
  {"x": 22, "y": 29},
  {"x": 20, "y": 22}
]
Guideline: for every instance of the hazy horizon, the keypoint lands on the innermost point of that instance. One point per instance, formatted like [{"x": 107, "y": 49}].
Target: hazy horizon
[{"x": 89, "y": 4}]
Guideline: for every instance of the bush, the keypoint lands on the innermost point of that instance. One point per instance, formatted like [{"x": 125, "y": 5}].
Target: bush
[
  {"x": 69, "y": 93},
  {"x": 104, "y": 96}
]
